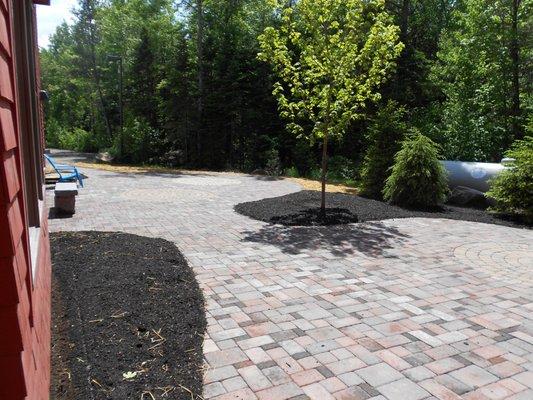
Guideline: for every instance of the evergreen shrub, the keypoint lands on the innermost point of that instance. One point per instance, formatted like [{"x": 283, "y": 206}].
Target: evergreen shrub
[
  {"x": 385, "y": 134},
  {"x": 513, "y": 188},
  {"x": 417, "y": 179}
]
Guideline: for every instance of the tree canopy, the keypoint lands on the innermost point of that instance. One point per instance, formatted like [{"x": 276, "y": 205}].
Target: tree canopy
[{"x": 196, "y": 94}]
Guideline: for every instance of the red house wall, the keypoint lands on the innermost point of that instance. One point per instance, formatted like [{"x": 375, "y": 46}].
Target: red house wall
[{"x": 24, "y": 298}]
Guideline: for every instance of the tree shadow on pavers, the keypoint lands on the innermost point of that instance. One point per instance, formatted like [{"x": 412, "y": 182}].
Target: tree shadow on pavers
[{"x": 372, "y": 239}]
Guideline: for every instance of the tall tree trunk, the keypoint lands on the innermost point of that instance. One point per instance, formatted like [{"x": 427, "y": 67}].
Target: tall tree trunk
[
  {"x": 96, "y": 79},
  {"x": 515, "y": 65},
  {"x": 200, "y": 55},
  {"x": 95, "y": 74},
  {"x": 404, "y": 38},
  {"x": 324, "y": 173},
  {"x": 401, "y": 10},
  {"x": 404, "y": 20},
  {"x": 325, "y": 154},
  {"x": 186, "y": 137}
]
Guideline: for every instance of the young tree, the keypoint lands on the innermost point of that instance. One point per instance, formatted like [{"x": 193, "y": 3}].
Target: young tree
[{"x": 330, "y": 57}]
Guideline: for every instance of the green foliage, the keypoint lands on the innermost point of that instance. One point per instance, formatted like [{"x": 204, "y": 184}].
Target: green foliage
[
  {"x": 54, "y": 131},
  {"x": 144, "y": 80},
  {"x": 475, "y": 73},
  {"x": 330, "y": 57},
  {"x": 385, "y": 134},
  {"x": 273, "y": 164},
  {"x": 326, "y": 51},
  {"x": 239, "y": 123},
  {"x": 513, "y": 188},
  {"x": 417, "y": 178},
  {"x": 302, "y": 156},
  {"x": 138, "y": 139},
  {"x": 315, "y": 174},
  {"x": 341, "y": 169},
  {"x": 421, "y": 24},
  {"x": 71, "y": 101},
  {"x": 77, "y": 140},
  {"x": 292, "y": 172}
]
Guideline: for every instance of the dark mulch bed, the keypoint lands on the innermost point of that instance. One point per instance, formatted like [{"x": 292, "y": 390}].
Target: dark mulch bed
[
  {"x": 302, "y": 209},
  {"x": 128, "y": 319}
]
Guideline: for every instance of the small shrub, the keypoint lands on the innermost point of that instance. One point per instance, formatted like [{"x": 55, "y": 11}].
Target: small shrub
[
  {"x": 513, "y": 188},
  {"x": 302, "y": 157},
  {"x": 385, "y": 134},
  {"x": 53, "y": 133},
  {"x": 417, "y": 178},
  {"x": 136, "y": 139},
  {"x": 273, "y": 163},
  {"x": 292, "y": 172},
  {"x": 77, "y": 139},
  {"x": 315, "y": 174},
  {"x": 170, "y": 159},
  {"x": 341, "y": 169}
]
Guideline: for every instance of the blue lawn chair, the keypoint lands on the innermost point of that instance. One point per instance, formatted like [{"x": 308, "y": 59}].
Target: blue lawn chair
[{"x": 66, "y": 172}]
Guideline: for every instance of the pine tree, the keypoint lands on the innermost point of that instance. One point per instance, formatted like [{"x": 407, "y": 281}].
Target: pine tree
[{"x": 144, "y": 80}]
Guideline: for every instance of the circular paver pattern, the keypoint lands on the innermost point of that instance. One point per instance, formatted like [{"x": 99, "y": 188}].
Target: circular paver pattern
[{"x": 510, "y": 261}]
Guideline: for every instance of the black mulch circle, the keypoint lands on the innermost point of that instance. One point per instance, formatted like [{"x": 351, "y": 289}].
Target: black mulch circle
[
  {"x": 128, "y": 319},
  {"x": 313, "y": 216},
  {"x": 302, "y": 209}
]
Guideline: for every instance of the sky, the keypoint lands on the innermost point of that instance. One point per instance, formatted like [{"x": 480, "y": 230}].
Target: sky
[{"x": 49, "y": 17}]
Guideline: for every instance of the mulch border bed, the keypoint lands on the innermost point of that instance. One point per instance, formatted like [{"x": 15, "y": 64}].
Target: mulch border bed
[
  {"x": 302, "y": 209},
  {"x": 128, "y": 319}
]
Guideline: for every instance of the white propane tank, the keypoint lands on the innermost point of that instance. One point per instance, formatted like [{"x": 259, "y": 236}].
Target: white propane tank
[{"x": 475, "y": 175}]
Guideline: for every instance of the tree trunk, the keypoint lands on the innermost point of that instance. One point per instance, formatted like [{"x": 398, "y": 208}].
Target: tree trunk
[
  {"x": 324, "y": 173},
  {"x": 186, "y": 136},
  {"x": 515, "y": 66},
  {"x": 96, "y": 75},
  {"x": 99, "y": 93},
  {"x": 325, "y": 154},
  {"x": 404, "y": 20},
  {"x": 101, "y": 102},
  {"x": 200, "y": 55}
]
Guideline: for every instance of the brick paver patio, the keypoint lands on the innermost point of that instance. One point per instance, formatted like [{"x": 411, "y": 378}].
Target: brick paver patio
[{"x": 401, "y": 309}]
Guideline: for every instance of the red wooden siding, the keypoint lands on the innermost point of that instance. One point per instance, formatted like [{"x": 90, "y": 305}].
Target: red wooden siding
[{"x": 24, "y": 299}]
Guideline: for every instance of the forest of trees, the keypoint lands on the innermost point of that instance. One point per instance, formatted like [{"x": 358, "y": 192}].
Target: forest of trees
[{"x": 196, "y": 94}]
